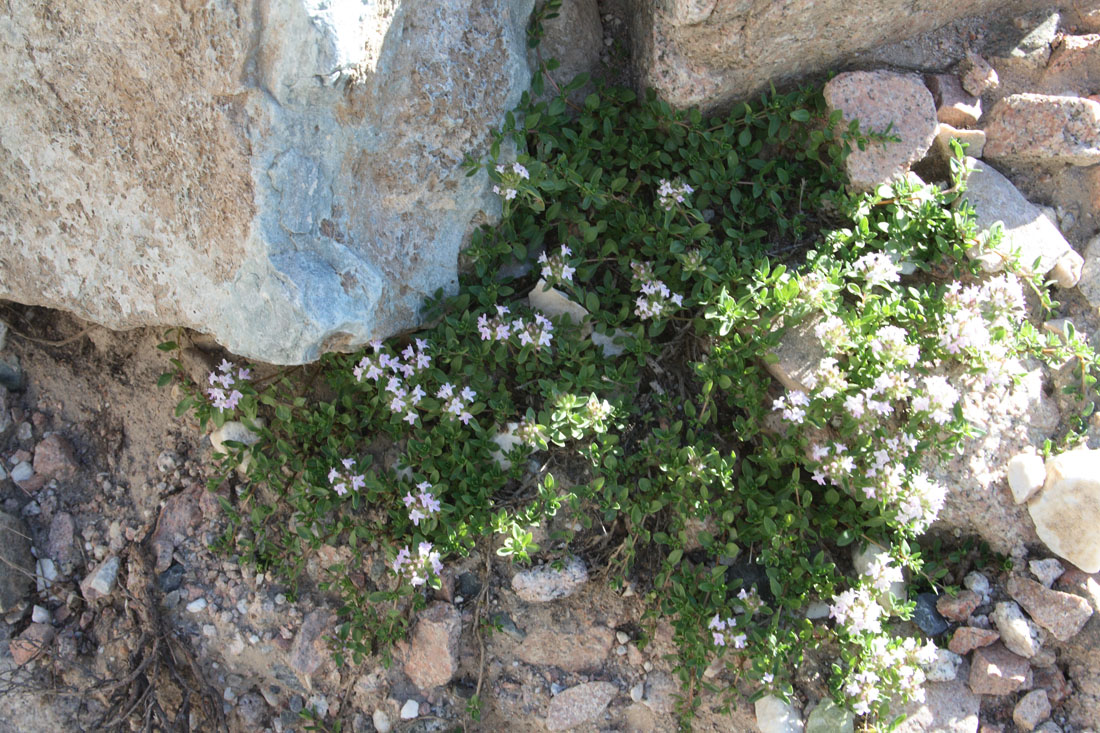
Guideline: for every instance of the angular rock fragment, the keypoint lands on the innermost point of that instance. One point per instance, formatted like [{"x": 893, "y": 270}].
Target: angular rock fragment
[
  {"x": 1089, "y": 284},
  {"x": 1047, "y": 571},
  {"x": 949, "y": 707},
  {"x": 32, "y": 642},
  {"x": 1062, "y": 614},
  {"x": 578, "y": 704},
  {"x": 1026, "y": 474},
  {"x": 1018, "y": 633},
  {"x": 976, "y": 75},
  {"x": 547, "y": 583},
  {"x": 1041, "y": 129},
  {"x": 1067, "y": 512},
  {"x": 967, "y": 638},
  {"x": 100, "y": 583},
  {"x": 54, "y": 457},
  {"x": 954, "y": 105},
  {"x": 1032, "y": 709},
  {"x": 1027, "y": 230},
  {"x": 878, "y": 99},
  {"x": 958, "y": 608},
  {"x": 432, "y": 659},
  {"x": 994, "y": 670}
]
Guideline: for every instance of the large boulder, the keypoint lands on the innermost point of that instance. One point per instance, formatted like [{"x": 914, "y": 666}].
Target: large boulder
[
  {"x": 708, "y": 52},
  {"x": 286, "y": 176}
]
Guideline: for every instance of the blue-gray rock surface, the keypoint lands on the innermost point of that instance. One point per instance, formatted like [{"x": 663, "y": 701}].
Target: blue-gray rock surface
[{"x": 285, "y": 176}]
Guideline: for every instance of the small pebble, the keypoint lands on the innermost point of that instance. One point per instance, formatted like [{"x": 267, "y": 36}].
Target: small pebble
[
  {"x": 382, "y": 722},
  {"x": 410, "y": 710},
  {"x": 622, "y": 636},
  {"x": 40, "y": 615},
  {"x": 209, "y": 630},
  {"x": 620, "y": 650},
  {"x": 648, "y": 666},
  {"x": 637, "y": 692},
  {"x": 196, "y": 605}
]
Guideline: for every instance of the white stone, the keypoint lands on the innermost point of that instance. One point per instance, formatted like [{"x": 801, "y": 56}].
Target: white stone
[
  {"x": 542, "y": 584},
  {"x": 1028, "y": 232},
  {"x": 45, "y": 573},
  {"x": 196, "y": 605},
  {"x": 1026, "y": 474},
  {"x": 238, "y": 432},
  {"x": 775, "y": 716},
  {"x": 1066, "y": 273},
  {"x": 817, "y": 609},
  {"x": 1018, "y": 633},
  {"x": 40, "y": 615},
  {"x": 637, "y": 692},
  {"x": 552, "y": 302},
  {"x": 978, "y": 583},
  {"x": 1046, "y": 571},
  {"x": 505, "y": 441},
  {"x": 1067, "y": 512},
  {"x": 22, "y": 472},
  {"x": 101, "y": 581},
  {"x": 826, "y": 717},
  {"x": 410, "y": 710},
  {"x": 607, "y": 343},
  {"x": 382, "y": 722}
]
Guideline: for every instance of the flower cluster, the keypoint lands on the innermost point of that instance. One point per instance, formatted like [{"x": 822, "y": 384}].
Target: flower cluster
[
  {"x": 345, "y": 480},
  {"x": 404, "y": 396},
  {"x": 418, "y": 568},
  {"x": 555, "y": 267},
  {"x": 510, "y": 177},
  {"x": 886, "y": 668},
  {"x": 423, "y": 505},
  {"x": 538, "y": 332},
  {"x": 882, "y": 574},
  {"x": 226, "y": 396},
  {"x": 877, "y": 268},
  {"x": 668, "y": 195},
  {"x": 656, "y": 299},
  {"x": 792, "y": 406},
  {"x": 857, "y": 610},
  {"x": 722, "y": 633},
  {"x": 938, "y": 399},
  {"x": 976, "y": 314},
  {"x": 834, "y": 334},
  {"x": 455, "y": 404}
]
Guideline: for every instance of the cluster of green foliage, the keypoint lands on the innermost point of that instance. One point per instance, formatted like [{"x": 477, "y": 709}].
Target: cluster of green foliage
[{"x": 667, "y": 442}]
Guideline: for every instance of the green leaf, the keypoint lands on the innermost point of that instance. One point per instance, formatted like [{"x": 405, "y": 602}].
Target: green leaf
[
  {"x": 800, "y": 115},
  {"x": 164, "y": 379}
]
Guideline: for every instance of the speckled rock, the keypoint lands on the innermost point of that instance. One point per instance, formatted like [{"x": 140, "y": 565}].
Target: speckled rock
[
  {"x": 827, "y": 717},
  {"x": 545, "y": 583},
  {"x": 433, "y": 647},
  {"x": 100, "y": 583},
  {"x": 54, "y": 457},
  {"x": 1032, "y": 709},
  {"x": 967, "y": 638},
  {"x": 706, "y": 52},
  {"x": 958, "y": 608},
  {"x": 1067, "y": 512},
  {"x": 978, "y": 501},
  {"x": 877, "y": 99},
  {"x": 34, "y": 640},
  {"x": 954, "y": 105},
  {"x": 976, "y": 75},
  {"x": 1089, "y": 284},
  {"x": 1047, "y": 571},
  {"x": 1040, "y": 129},
  {"x": 1062, "y": 614},
  {"x": 579, "y": 704},
  {"x": 948, "y": 707},
  {"x": 572, "y": 650},
  {"x": 994, "y": 670}
]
